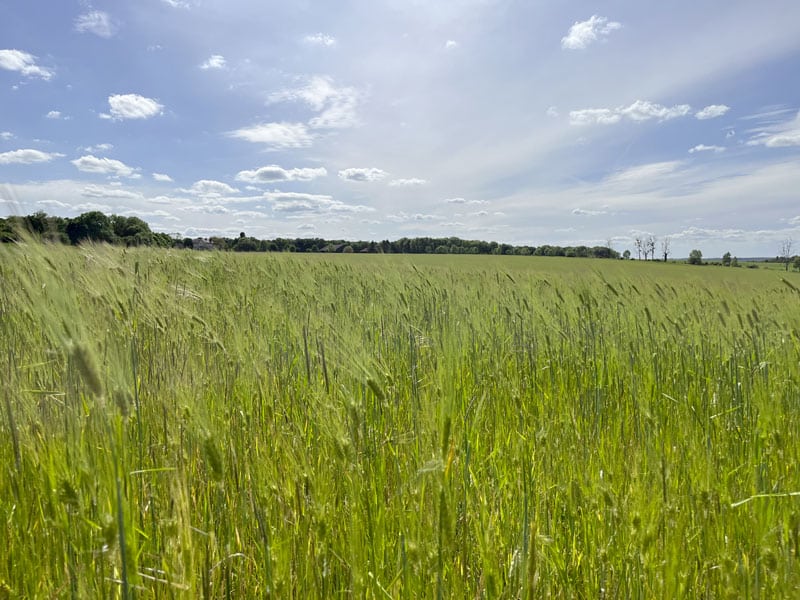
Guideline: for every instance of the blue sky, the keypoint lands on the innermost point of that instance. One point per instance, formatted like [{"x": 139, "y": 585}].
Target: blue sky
[{"x": 525, "y": 122}]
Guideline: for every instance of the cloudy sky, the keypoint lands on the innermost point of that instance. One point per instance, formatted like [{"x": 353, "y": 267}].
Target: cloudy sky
[{"x": 519, "y": 121}]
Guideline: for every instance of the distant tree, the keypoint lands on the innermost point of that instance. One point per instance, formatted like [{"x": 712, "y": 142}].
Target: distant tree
[
  {"x": 735, "y": 262},
  {"x": 188, "y": 243},
  {"x": 638, "y": 242},
  {"x": 726, "y": 259},
  {"x": 786, "y": 251},
  {"x": 626, "y": 255},
  {"x": 665, "y": 244},
  {"x": 796, "y": 263},
  {"x": 650, "y": 247},
  {"x": 695, "y": 257},
  {"x": 94, "y": 226}
]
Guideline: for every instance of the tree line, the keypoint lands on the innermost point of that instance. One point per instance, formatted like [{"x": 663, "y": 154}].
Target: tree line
[{"x": 95, "y": 226}]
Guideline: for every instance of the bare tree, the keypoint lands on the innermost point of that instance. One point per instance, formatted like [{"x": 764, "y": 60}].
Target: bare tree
[
  {"x": 665, "y": 243},
  {"x": 650, "y": 247},
  {"x": 639, "y": 243},
  {"x": 786, "y": 251}
]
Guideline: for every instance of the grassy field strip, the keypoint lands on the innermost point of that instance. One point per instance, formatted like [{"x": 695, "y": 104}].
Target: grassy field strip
[{"x": 180, "y": 424}]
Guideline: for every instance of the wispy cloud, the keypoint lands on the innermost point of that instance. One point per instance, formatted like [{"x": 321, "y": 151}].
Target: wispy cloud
[
  {"x": 704, "y": 148},
  {"x": 335, "y": 106},
  {"x": 215, "y": 61},
  {"x": 412, "y": 182},
  {"x": 778, "y": 135},
  {"x": 24, "y": 63},
  {"x": 278, "y": 136},
  {"x": 163, "y": 177},
  {"x": 320, "y": 39},
  {"x": 641, "y": 110},
  {"x": 97, "y": 22},
  {"x": 584, "y": 33},
  {"x": 712, "y": 112}
]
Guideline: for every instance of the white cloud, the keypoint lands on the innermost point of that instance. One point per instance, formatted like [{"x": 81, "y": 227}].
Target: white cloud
[
  {"x": 704, "y": 148},
  {"x": 99, "y": 191},
  {"x": 274, "y": 173},
  {"x": 6, "y": 135},
  {"x": 370, "y": 174},
  {"x": 96, "y": 22},
  {"x": 780, "y": 135},
  {"x": 451, "y": 45},
  {"x": 210, "y": 188},
  {"x": 162, "y": 177},
  {"x": 22, "y": 62},
  {"x": 552, "y": 111},
  {"x": 644, "y": 173},
  {"x": 413, "y": 182},
  {"x": 97, "y": 148},
  {"x": 641, "y": 110},
  {"x": 276, "y": 135},
  {"x": 299, "y": 203},
  {"x": 336, "y": 106},
  {"x": 104, "y": 166},
  {"x": 588, "y": 213},
  {"x": 469, "y": 202},
  {"x": 215, "y": 61},
  {"x": 132, "y": 106},
  {"x": 320, "y": 39},
  {"x": 177, "y": 3},
  {"x": 584, "y": 33},
  {"x": 53, "y": 114},
  {"x": 27, "y": 156},
  {"x": 711, "y": 112}
]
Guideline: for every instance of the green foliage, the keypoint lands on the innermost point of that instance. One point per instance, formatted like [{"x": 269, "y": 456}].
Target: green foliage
[
  {"x": 726, "y": 259},
  {"x": 183, "y": 424},
  {"x": 695, "y": 257}
]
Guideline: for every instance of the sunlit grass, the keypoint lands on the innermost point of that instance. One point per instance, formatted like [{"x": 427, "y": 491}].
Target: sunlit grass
[{"x": 180, "y": 424}]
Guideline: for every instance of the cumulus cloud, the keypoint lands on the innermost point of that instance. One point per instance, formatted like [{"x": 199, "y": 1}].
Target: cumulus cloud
[
  {"x": 53, "y": 114},
  {"x": 780, "y": 135},
  {"x": 104, "y": 166},
  {"x": 336, "y": 106},
  {"x": 132, "y": 106},
  {"x": 584, "y": 33},
  {"x": 96, "y": 22},
  {"x": 370, "y": 174},
  {"x": 299, "y": 203},
  {"x": 97, "y": 148},
  {"x": 162, "y": 177},
  {"x": 275, "y": 173},
  {"x": 641, "y": 110},
  {"x": 278, "y": 136},
  {"x": 215, "y": 61},
  {"x": 24, "y": 63},
  {"x": 412, "y": 182},
  {"x": 711, "y": 112},
  {"x": 27, "y": 156},
  {"x": 704, "y": 148},
  {"x": 210, "y": 188},
  {"x": 320, "y": 39},
  {"x": 451, "y": 45},
  {"x": 6, "y": 135}
]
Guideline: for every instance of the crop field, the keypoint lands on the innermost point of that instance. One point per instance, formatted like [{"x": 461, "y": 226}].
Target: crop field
[{"x": 180, "y": 424}]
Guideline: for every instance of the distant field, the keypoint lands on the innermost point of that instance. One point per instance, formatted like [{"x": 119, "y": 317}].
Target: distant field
[{"x": 180, "y": 424}]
